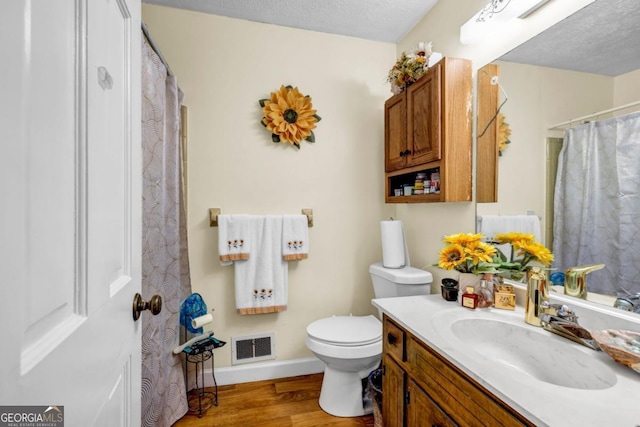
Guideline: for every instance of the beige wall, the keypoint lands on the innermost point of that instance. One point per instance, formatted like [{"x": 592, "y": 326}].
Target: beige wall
[
  {"x": 224, "y": 67},
  {"x": 627, "y": 88}
]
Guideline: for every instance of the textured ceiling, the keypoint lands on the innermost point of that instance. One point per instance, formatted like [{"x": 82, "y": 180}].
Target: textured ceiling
[
  {"x": 602, "y": 38},
  {"x": 378, "y": 20}
]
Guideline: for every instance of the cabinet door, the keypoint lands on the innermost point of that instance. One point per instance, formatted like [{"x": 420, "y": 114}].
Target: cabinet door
[
  {"x": 392, "y": 394},
  {"x": 395, "y": 132},
  {"x": 424, "y": 412},
  {"x": 424, "y": 118}
]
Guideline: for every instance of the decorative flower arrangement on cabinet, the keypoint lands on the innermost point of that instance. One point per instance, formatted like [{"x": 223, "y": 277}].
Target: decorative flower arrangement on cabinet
[{"x": 409, "y": 67}]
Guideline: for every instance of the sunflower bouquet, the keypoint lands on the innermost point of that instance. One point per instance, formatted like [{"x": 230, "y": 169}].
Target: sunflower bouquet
[
  {"x": 524, "y": 250},
  {"x": 467, "y": 253}
]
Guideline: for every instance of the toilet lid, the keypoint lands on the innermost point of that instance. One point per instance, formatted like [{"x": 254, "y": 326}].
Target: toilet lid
[{"x": 346, "y": 330}]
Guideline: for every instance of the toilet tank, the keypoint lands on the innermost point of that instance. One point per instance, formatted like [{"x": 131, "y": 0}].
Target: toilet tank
[{"x": 398, "y": 282}]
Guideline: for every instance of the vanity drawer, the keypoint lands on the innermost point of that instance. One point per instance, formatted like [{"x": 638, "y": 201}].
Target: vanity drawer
[
  {"x": 393, "y": 338},
  {"x": 458, "y": 395}
]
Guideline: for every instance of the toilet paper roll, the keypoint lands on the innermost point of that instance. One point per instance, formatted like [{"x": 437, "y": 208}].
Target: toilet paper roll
[
  {"x": 198, "y": 322},
  {"x": 393, "y": 247}
]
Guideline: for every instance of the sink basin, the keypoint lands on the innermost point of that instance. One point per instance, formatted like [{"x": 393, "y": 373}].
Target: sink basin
[{"x": 531, "y": 351}]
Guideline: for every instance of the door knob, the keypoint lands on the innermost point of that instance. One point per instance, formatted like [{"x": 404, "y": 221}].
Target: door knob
[{"x": 139, "y": 305}]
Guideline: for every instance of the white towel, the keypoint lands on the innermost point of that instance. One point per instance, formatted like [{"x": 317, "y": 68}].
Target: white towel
[
  {"x": 233, "y": 238},
  {"x": 490, "y": 225},
  {"x": 261, "y": 280},
  {"x": 295, "y": 237}
]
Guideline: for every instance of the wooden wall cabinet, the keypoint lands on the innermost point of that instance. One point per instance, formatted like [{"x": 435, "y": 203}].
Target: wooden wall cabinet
[
  {"x": 428, "y": 129},
  {"x": 422, "y": 388}
]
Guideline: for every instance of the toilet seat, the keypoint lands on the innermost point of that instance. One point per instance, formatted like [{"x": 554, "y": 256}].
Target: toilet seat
[{"x": 346, "y": 331}]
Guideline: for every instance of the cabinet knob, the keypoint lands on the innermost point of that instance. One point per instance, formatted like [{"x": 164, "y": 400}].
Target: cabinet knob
[{"x": 391, "y": 339}]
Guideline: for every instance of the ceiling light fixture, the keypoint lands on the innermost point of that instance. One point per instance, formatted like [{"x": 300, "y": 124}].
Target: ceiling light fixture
[
  {"x": 533, "y": 8},
  {"x": 494, "y": 15},
  {"x": 496, "y": 6}
]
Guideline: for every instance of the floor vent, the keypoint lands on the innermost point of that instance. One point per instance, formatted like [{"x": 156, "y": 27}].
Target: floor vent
[{"x": 253, "y": 348}]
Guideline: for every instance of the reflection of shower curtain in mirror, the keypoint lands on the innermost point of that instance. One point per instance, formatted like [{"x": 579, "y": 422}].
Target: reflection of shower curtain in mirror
[
  {"x": 165, "y": 265},
  {"x": 597, "y": 203}
]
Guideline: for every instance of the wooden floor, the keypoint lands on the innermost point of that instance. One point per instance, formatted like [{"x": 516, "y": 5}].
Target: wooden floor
[{"x": 277, "y": 403}]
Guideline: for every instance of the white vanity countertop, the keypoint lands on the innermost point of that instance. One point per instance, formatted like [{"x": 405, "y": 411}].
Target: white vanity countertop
[{"x": 543, "y": 403}]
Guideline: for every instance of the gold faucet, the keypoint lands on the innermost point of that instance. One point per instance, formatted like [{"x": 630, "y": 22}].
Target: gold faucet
[
  {"x": 537, "y": 302},
  {"x": 575, "y": 280}
]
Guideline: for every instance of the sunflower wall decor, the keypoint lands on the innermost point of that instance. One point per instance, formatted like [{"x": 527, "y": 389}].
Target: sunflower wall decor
[
  {"x": 503, "y": 134},
  {"x": 289, "y": 116}
]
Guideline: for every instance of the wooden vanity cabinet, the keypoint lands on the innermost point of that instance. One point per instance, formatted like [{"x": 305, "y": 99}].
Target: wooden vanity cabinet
[
  {"x": 428, "y": 129},
  {"x": 422, "y": 388},
  {"x": 393, "y": 384},
  {"x": 422, "y": 411}
]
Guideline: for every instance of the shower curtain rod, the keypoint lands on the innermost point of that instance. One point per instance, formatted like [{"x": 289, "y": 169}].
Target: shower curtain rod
[
  {"x": 610, "y": 110},
  {"x": 145, "y": 31}
]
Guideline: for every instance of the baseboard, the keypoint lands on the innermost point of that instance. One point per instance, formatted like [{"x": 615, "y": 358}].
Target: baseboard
[{"x": 261, "y": 371}]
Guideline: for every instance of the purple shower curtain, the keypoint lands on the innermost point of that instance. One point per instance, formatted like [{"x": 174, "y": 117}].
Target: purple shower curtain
[{"x": 165, "y": 264}]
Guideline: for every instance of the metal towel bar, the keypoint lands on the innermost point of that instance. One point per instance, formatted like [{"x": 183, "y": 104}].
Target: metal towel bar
[{"x": 214, "y": 212}]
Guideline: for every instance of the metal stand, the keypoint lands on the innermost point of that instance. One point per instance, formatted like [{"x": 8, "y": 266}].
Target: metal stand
[
  {"x": 198, "y": 399},
  {"x": 197, "y": 348}
]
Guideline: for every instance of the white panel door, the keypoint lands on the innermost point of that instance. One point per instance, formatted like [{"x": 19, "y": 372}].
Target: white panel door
[{"x": 71, "y": 200}]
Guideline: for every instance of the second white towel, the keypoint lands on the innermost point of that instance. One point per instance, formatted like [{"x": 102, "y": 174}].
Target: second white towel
[
  {"x": 295, "y": 237},
  {"x": 261, "y": 280}
]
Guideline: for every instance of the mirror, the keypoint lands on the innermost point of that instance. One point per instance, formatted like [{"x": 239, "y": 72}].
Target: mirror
[{"x": 587, "y": 63}]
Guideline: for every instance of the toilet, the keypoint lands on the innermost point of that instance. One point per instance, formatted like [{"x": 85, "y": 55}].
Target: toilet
[{"x": 351, "y": 346}]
